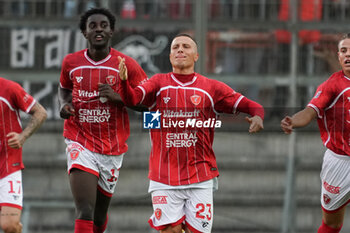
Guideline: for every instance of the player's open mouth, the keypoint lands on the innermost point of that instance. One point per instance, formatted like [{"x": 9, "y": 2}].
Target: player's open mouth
[{"x": 99, "y": 37}]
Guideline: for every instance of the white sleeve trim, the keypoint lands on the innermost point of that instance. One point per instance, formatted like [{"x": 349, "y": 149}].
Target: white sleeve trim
[{"x": 316, "y": 109}]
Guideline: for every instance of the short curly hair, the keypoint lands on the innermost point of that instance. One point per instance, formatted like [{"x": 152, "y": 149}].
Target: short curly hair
[{"x": 93, "y": 11}]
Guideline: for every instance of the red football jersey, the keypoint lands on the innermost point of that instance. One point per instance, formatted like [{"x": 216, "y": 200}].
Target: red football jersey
[
  {"x": 332, "y": 104},
  {"x": 12, "y": 99},
  {"x": 98, "y": 125},
  {"x": 182, "y": 153}
]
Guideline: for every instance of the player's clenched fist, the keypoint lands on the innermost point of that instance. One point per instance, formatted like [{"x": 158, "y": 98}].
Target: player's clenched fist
[
  {"x": 286, "y": 125},
  {"x": 123, "y": 71}
]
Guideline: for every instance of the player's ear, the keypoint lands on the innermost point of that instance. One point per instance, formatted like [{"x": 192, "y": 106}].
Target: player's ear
[
  {"x": 84, "y": 34},
  {"x": 196, "y": 57}
]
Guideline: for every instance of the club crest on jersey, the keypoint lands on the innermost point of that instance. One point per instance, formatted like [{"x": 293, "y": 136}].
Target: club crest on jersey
[
  {"x": 196, "y": 99},
  {"x": 79, "y": 78},
  {"x": 166, "y": 99},
  {"x": 326, "y": 199},
  {"x": 158, "y": 213},
  {"x": 74, "y": 154},
  {"x": 111, "y": 80}
]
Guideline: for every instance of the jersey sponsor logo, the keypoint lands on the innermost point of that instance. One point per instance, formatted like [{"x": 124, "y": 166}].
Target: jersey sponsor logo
[
  {"x": 181, "y": 140},
  {"x": 111, "y": 80},
  {"x": 171, "y": 113},
  {"x": 79, "y": 78},
  {"x": 89, "y": 94},
  {"x": 94, "y": 115},
  {"x": 326, "y": 199},
  {"x": 166, "y": 99},
  {"x": 196, "y": 99},
  {"x": 159, "y": 200},
  {"x": 151, "y": 120},
  {"x": 158, "y": 213},
  {"x": 331, "y": 188}
]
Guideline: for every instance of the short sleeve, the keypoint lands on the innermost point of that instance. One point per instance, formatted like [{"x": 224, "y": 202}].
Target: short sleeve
[
  {"x": 21, "y": 99},
  {"x": 65, "y": 81},
  {"x": 226, "y": 98},
  {"x": 323, "y": 98}
]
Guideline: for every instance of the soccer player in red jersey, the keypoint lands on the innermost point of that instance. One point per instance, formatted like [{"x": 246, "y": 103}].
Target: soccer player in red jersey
[
  {"x": 14, "y": 98},
  {"x": 182, "y": 167},
  {"x": 96, "y": 123},
  {"x": 330, "y": 106}
]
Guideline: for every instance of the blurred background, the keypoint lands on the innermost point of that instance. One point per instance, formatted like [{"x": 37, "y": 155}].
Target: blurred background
[{"x": 275, "y": 52}]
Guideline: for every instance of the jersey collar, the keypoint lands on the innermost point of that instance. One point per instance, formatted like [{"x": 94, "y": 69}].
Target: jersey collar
[
  {"x": 97, "y": 62},
  {"x": 183, "y": 84}
]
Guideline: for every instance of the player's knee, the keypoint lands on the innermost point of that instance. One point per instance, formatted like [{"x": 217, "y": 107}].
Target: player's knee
[{"x": 11, "y": 227}]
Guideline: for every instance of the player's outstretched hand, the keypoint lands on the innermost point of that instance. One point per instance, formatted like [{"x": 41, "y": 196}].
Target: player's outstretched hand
[
  {"x": 67, "y": 111},
  {"x": 123, "y": 71},
  {"x": 15, "y": 140},
  {"x": 255, "y": 124},
  {"x": 286, "y": 125}
]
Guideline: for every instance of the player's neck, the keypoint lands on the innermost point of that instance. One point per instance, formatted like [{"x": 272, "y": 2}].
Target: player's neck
[
  {"x": 347, "y": 73},
  {"x": 184, "y": 71},
  {"x": 98, "y": 54}
]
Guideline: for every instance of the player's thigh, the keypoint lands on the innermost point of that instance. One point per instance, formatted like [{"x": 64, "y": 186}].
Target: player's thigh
[
  {"x": 10, "y": 217},
  {"x": 83, "y": 186},
  {"x": 172, "y": 229},
  {"x": 199, "y": 210}
]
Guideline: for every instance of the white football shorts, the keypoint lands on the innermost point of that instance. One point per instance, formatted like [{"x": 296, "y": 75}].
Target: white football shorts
[
  {"x": 192, "y": 206},
  {"x": 11, "y": 190},
  {"x": 105, "y": 167},
  {"x": 335, "y": 178}
]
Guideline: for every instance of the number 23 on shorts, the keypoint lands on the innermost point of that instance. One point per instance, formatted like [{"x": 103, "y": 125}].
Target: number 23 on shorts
[{"x": 201, "y": 211}]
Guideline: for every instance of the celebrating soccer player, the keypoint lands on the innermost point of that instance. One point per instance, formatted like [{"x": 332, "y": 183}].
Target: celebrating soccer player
[
  {"x": 12, "y": 99},
  {"x": 182, "y": 165},
  {"x": 330, "y": 106},
  {"x": 97, "y": 125}
]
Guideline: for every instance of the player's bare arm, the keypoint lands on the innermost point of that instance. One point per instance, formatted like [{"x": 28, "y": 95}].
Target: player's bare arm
[
  {"x": 39, "y": 115},
  {"x": 298, "y": 120},
  {"x": 255, "y": 124},
  {"x": 65, "y": 101}
]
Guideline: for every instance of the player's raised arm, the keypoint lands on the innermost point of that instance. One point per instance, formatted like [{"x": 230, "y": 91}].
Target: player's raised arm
[
  {"x": 130, "y": 96},
  {"x": 298, "y": 120}
]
